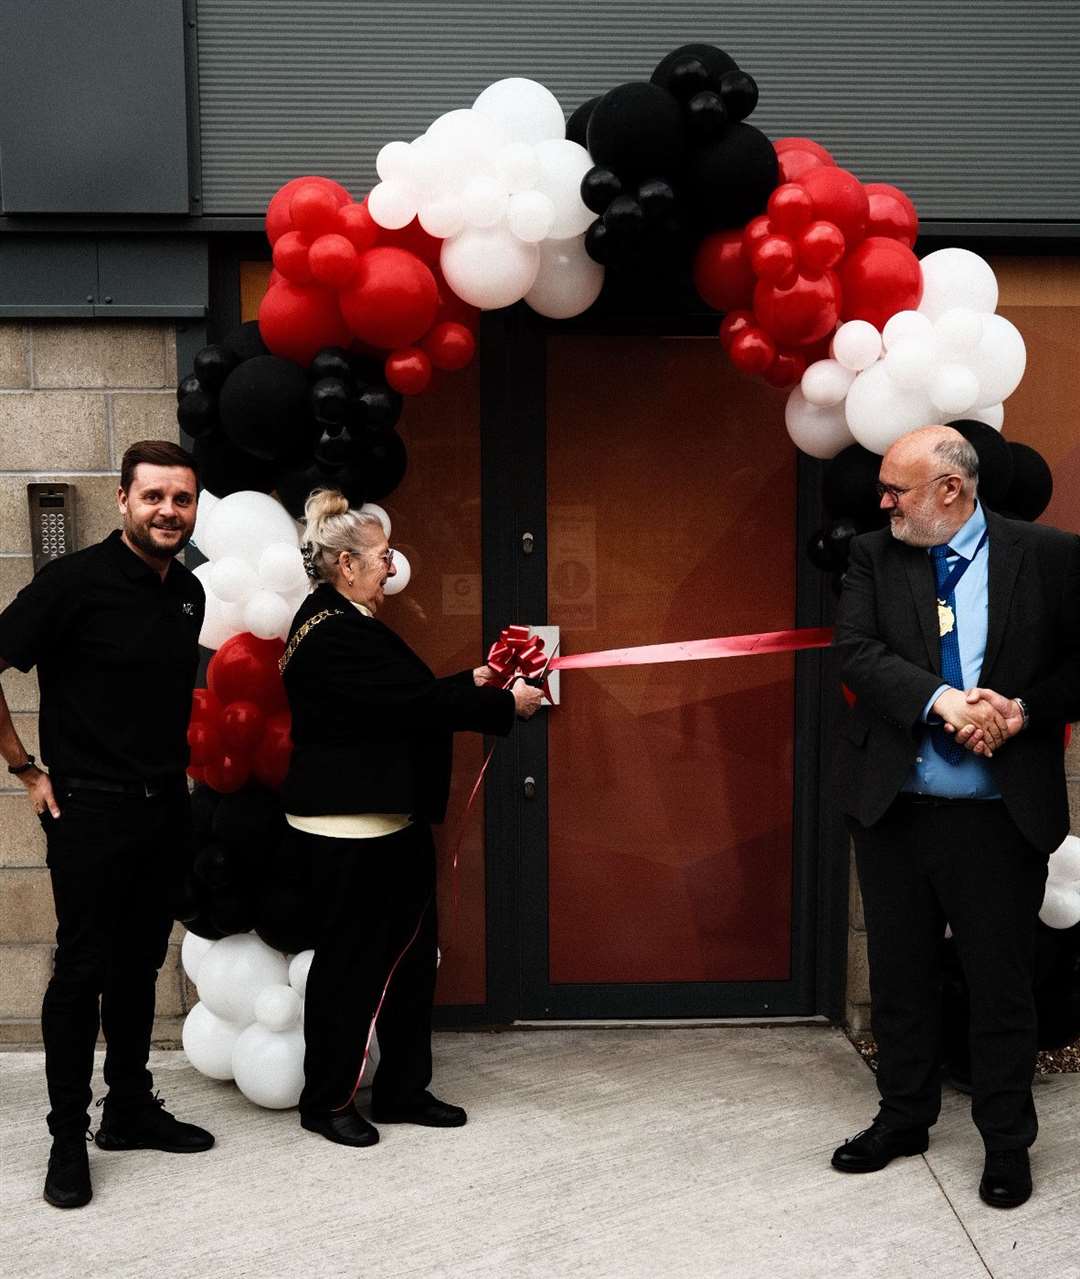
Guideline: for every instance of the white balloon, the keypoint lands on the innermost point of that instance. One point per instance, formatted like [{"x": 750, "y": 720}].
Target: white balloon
[
  {"x": 957, "y": 277},
  {"x": 526, "y": 110},
  {"x": 907, "y": 324},
  {"x": 959, "y": 330},
  {"x": 299, "y": 967},
  {"x": 568, "y": 281},
  {"x": 221, "y": 621},
  {"x": 277, "y": 1007},
  {"x": 430, "y": 167},
  {"x": 442, "y": 217},
  {"x": 207, "y": 502},
  {"x": 856, "y": 345},
  {"x": 267, "y": 615},
  {"x": 562, "y": 166},
  {"x": 1064, "y": 864},
  {"x": 208, "y": 1041},
  {"x": 192, "y": 950},
  {"x": 373, "y": 508},
  {"x": 232, "y": 973},
  {"x": 517, "y": 167},
  {"x": 909, "y": 362},
  {"x": 489, "y": 268},
  {"x": 953, "y": 389},
  {"x": 1061, "y": 905},
  {"x": 993, "y": 415},
  {"x": 530, "y": 215},
  {"x": 402, "y": 575},
  {"x": 394, "y": 163},
  {"x": 281, "y": 568},
  {"x": 468, "y": 142},
  {"x": 483, "y": 202},
  {"x": 268, "y": 1066},
  {"x": 233, "y": 580},
  {"x": 393, "y": 204},
  {"x": 245, "y": 524},
  {"x": 825, "y": 383},
  {"x": 879, "y": 412},
  {"x": 820, "y": 431},
  {"x": 998, "y": 361}
]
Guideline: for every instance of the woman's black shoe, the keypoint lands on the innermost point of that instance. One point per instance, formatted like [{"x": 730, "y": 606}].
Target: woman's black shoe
[
  {"x": 67, "y": 1182},
  {"x": 1006, "y": 1179},
  {"x": 872, "y": 1149},
  {"x": 343, "y": 1126}
]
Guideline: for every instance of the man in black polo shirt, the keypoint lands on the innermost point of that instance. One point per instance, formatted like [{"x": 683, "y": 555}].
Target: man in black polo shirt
[{"x": 113, "y": 631}]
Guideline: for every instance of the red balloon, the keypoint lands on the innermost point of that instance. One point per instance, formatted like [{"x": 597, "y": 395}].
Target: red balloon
[
  {"x": 357, "y": 225},
  {"x": 298, "y": 320},
  {"x": 773, "y": 259},
  {"x": 413, "y": 239},
  {"x": 1068, "y": 735},
  {"x": 756, "y": 230},
  {"x": 333, "y": 260},
  {"x": 799, "y": 315},
  {"x": 204, "y": 706},
  {"x": 227, "y": 774},
  {"x": 270, "y": 763},
  {"x": 408, "y": 370},
  {"x": 790, "y": 208},
  {"x": 205, "y": 742},
  {"x": 314, "y": 210},
  {"x": 820, "y": 247},
  {"x": 782, "y": 145},
  {"x": 752, "y": 350},
  {"x": 892, "y": 214},
  {"x": 278, "y": 214},
  {"x": 391, "y": 301},
  {"x": 735, "y": 322},
  {"x": 242, "y": 725},
  {"x": 722, "y": 273},
  {"x": 451, "y": 307},
  {"x": 838, "y": 197},
  {"x": 786, "y": 369},
  {"x": 450, "y": 346},
  {"x": 797, "y": 156},
  {"x": 245, "y": 669},
  {"x": 196, "y": 773},
  {"x": 879, "y": 278},
  {"x": 291, "y": 258}
]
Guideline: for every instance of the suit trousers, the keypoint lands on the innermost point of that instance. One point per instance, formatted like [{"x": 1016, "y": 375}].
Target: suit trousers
[
  {"x": 114, "y": 861},
  {"x": 374, "y": 902},
  {"x": 964, "y": 863}
]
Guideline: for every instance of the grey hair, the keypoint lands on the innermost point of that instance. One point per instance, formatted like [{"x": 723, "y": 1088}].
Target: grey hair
[
  {"x": 330, "y": 527},
  {"x": 959, "y": 456}
]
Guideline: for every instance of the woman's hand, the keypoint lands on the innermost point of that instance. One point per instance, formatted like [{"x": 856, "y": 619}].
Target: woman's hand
[
  {"x": 527, "y": 700},
  {"x": 484, "y": 675}
]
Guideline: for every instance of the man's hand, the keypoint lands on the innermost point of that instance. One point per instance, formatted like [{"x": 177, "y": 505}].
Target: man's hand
[
  {"x": 527, "y": 699},
  {"x": 40, "y": 788},
  {"x": 960, "y": 712},
  {"x": 484, "y": 675},
  {"x": 972, "y": 737}
]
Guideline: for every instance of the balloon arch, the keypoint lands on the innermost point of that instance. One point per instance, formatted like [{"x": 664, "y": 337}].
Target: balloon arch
[{"x": 658, "y": 184}]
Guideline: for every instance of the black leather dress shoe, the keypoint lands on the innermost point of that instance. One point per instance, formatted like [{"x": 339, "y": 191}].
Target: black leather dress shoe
[
  {"x": 872, "y": 1149},
  {"x": 1006, "y": 1179},
  {"x": 425, "y": 1110},
  {"x": 343, "y": 1126},
  {"x": 148, "y": 1126},
  {"x": 67, "y": 1182}
]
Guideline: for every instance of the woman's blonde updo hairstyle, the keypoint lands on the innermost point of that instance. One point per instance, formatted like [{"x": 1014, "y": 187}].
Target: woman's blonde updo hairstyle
[{"x": 330, "y": 527}]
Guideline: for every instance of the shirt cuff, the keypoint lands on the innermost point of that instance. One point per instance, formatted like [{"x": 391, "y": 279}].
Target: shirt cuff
[{"x": 926, "y": 710}]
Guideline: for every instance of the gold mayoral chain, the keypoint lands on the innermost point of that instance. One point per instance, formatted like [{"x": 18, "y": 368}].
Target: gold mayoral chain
[{"x": 946, "y": 618}]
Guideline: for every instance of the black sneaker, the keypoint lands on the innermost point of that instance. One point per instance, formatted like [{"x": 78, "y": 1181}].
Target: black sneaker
[
  {"x": 149, "y": 1126},
  {"x": 876, "y": 1146},
  {"x": 67, "y": 1182}
]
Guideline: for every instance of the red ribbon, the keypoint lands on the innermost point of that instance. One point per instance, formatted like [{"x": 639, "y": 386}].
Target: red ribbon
[{"x": 516, "y": 652}]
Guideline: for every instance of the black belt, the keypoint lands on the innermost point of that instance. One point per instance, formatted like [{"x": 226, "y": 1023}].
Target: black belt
[
  {"x": 943, "y": 801},
  {"x": 144, "y": 789}
]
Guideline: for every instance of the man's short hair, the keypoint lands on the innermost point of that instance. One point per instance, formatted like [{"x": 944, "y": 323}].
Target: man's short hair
[
  {"x": 154, "y": 453},
  {"x": 960, "y": 456}
]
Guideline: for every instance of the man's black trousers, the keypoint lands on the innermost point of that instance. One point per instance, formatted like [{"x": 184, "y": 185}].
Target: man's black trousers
[
  {"x": 375, "y": 905},
  {"x": 963, "y": 863},
  {"x": 114, "y": 860}
]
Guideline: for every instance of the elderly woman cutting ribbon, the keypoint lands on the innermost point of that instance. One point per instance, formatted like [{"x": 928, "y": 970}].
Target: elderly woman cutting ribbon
[{"x": 372, "y": 729}]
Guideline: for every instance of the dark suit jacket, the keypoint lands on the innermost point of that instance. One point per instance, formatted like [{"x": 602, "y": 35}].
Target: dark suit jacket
[
  {"x": 372, "y": 727},
  {"x": 887, "y": 636}
]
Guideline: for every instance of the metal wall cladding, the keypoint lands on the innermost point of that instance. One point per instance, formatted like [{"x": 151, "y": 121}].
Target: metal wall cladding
[{"x": 971, "y": 106}]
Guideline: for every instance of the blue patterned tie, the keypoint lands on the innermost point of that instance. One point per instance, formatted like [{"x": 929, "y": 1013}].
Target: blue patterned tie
[{"x": 951, "y": 670}]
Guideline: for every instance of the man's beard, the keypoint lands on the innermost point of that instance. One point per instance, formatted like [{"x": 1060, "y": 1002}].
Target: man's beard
[
  {"x": 916, "y": 529},
  {"x": 139, "y": 535}
]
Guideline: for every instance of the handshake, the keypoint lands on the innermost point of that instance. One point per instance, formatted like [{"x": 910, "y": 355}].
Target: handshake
[{"x": 982, "y": 720}]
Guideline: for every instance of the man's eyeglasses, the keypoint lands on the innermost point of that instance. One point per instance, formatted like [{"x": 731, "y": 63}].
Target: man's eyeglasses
[{"x": 896, "y": 492}]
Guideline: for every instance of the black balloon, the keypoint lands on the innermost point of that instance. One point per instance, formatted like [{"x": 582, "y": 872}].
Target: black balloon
[
  {"x": 225, "y": 469},
  {"x": 821, "y": 552},
  {"x": 715, "y": 61},
  {"x": 599, "y": 187},
  {"x": 334, "y": 449},
  {"x": 706, "y": 116},
  {"x": 262, "y": 404},
  {"x": 215, "y": 866},
  {"x": 577, "y": 127},
  {"x": 597, "y": 243},
  {"x": 212, "y": 365},
  {"x": 995, "y": 460},
  {"x": 379, "y": 406},
  {"x": 295, "y": 487},
  {"x": 330, "y": 401},
  {"x": 731, "y": 179},
  {"x": 1032, "y": 485},
  {"x": 204, "y": 802},
  {"x": 197, "y": 413},
  {"x": 252, "y": 816},
  {"x": 848, "y": 486},
  {"x": 331, "y": 361},
  {"x": 188, "y": 386},
  {"x": 245, "y": 342},
  {"x": 625, "y": 222},
  {"x": 739, "y": 93},
  {"x": 657, "y": 199},
  {"x": 637, "y": 130},
  {"x": 689, "y": 77},
  {"x": 386, "y": 465}
]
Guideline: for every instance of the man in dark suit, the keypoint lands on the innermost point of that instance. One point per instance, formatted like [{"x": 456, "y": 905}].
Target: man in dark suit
[{"x": 954, "y": 799}]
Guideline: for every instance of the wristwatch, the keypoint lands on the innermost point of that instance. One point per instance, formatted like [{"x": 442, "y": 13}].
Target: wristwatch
[
  {"x": 1023, "y": 711},
  {"x": 16, "y": 769}
]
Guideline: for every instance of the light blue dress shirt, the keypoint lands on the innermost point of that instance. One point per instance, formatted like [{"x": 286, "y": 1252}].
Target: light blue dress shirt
[{"x": 971, "y": 778}]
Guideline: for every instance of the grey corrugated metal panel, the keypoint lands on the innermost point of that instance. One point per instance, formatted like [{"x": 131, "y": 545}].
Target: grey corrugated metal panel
[{"x": 972, "y": 108}]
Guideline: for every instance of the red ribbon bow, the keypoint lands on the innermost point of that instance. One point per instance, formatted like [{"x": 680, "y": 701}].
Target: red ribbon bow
[{"x": 516, "y": 652}]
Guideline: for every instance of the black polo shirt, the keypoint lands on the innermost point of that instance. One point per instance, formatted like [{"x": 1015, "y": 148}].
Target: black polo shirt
[{"x": 116, "y": 649}]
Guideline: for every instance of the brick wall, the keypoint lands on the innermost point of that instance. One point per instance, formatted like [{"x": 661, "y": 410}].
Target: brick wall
[{"x": 73, "y": 396}]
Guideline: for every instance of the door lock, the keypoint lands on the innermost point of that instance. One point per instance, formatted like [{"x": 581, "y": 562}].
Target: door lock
[
  {"x": 527, "y": 543},
  {"x": 529, "y": 787}
]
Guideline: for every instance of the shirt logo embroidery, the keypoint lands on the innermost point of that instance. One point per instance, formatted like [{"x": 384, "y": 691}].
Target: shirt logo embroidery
[{"x": 187, "y": 608}]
